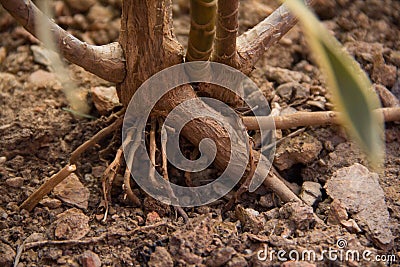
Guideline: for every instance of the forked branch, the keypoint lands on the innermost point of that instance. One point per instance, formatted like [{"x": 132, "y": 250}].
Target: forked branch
[
  {"x": 105, "y": 61},
  {"x": 253, "y": 43}
]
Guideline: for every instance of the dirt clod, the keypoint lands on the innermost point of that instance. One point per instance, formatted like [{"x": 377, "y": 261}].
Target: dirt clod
[
  {"x": 300, "y": 149},
  {"x": 71, "y": 224},
  {"x": 7, "y": 255}
]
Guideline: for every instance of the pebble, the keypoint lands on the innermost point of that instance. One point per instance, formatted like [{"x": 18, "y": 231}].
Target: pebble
[
  {"x": 300, "y": 149},
  {"x": 71, "y": 224},
  {"x": 90, "y": 259},
  {"x": 310, "y": 192},
  {"x": 298, "y": 213},
  {"x": 81, "y": 5},
  {"x": 250, "y": 219},
  {"x": 104, "y": 98},
  {"x": 237, "y": 261},
  {"x": 42, "y": 79},
  {"x": 15, "y": 182},
  {"x": 3, "y": 160},
  {"x": 220, "y": 257},
  {"x": 152, "y": 218},
  {"x": 51, "y": 203}
]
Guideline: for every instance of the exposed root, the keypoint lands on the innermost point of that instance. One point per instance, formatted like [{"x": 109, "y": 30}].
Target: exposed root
[
  {"x": 108, "y": 179},
  {"x": 128, "y": 190},
  {"x": 96, "y": 239},
  {"x": 178, "y": 209},
  {"x": 95, "y": 139},
  {"x": 245, "y": 185}
]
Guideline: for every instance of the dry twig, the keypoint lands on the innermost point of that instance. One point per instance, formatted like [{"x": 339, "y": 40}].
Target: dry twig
[
  {"x": 301, "y": 119},
  {"x": 45, "y": 188}
]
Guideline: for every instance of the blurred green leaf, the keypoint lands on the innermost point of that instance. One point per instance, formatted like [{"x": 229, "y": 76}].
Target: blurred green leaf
[{"x": 350, "y": 86}]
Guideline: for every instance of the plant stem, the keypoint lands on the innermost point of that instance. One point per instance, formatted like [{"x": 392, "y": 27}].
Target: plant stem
[
  {"x": 202, "y": 30},
  {"x": 227, "y": 28}
]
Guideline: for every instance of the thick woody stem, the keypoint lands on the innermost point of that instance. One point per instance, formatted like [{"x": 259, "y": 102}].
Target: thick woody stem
[
  {"x": 227, "y": 28},
  {"x": 301, "y": 119},
  {"x": 202, "y": 30},
  {"x": 253, "y": 43},
  {"x": 105, "y": 61},
  {"x": 148, "y": 42}
]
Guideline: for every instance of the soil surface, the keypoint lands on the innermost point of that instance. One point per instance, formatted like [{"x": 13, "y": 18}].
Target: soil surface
[{"x": 38, "y": 133}]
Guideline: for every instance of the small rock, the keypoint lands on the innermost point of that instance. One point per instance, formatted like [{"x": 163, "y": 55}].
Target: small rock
[
  {"x": 359, "y": 191},
  {"x": 3, "y": 160},
  {"x": 104, "y": 98},
  {"x": 51, "y": 203},
  {"x": 42, "y": 79},
  {"x": 383, "y": 73},
  {"x": 282, "y": 76},
  {"x": 43, "y": 55},
  {"x": 259, "y": 12},
  {"x": 71, "y": 224},
  {"x": 152, "y": 217},
  {"x": 250, "y": 219},
  {"x": 8, "y": 82},
  {"x": 99, "y": 13},
  {"x": 300, "y": 149},
  {"x": 220, "y": 257},
  {"x": 388, "y": 99},
  {"x": 311, "y": 193},
  {"x": 90, "y": 259},
  {"x": 160, "y": 258},
  {"x": 7, "y": 255},
  {"x": 72, "y": 191},
  {"x": 237, "y": 261},
  {"x": 267, "y": 201},
  {"x": 81, "y": 5},
  {"x": 98, "y": 171},
  {"x": 15, "y": 182},
  {"x": 337, "y": 213},
  {"x": 301, "y": 215}
]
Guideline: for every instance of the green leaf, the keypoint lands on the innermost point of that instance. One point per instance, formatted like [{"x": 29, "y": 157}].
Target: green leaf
[{"x": 350, "y": 86}]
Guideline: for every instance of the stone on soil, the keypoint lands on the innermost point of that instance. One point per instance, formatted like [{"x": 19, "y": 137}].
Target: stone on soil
[
  {"x": 300, "y": 149},
  {"x": 359, "y": 191},
  {"x": 71, "y": 224},
  {"x": 72, "y": 191}
]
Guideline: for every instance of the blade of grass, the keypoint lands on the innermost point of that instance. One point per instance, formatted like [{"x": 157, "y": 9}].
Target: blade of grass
[{"x": 350, "y": 86}]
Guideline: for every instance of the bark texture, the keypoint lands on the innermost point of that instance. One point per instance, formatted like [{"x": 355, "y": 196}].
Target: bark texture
[
  {"x": 148, "y": 42},
  {"x": 105, "y": 61},
  {"x": 253, "y": 43}
]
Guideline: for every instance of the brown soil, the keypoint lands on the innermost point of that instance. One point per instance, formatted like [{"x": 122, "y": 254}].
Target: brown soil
[{"x": 37, "y": 135}]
